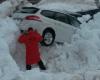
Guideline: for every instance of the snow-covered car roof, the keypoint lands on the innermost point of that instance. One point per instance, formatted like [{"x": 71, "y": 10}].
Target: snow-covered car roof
[{"x": 75, "y": 14}]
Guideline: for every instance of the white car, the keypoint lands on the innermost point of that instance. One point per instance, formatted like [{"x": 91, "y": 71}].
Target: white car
[{"x": 53, "y": 25}]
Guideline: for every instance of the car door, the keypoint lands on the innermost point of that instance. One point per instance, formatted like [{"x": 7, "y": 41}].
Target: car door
[{"x": 64, "y": 31}]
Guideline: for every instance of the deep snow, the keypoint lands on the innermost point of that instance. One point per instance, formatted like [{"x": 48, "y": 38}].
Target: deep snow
[
  {"x": 89, "y": 2},
  {"x": 76, "y": 61},
  {"x": 72, "y": 7}
]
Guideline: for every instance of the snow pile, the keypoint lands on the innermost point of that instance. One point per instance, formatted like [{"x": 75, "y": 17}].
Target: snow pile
[
  {"x": 80, "y": 59},
  {"x": 69, "y": 1},
  {"x": 5, "y": 8},
  {"x": 8, "y": 31},
  {"x": 37, "y": 75},
  {"x": 84, "y": 18},
  {"x": 8, "y": 6},
  {"x": 87, "y": 42},
  {"x": 82, "y": 54},
  {"x": 73, "y": 7},
  {"x": 8, "y": 67}
]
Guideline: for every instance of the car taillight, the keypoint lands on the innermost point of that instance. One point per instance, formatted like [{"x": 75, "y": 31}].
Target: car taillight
[{"x": 36, "y": 18}]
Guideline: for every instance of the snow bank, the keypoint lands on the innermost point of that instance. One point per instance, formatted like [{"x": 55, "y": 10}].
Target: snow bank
[
  {"x": 92, "y": 75},
  {"x": 84, "y": 18},
  {"x": 76, "y": 61},
  {"x": 69, "y": 1},
  {"x": 8, "y": 6},
  {"x": 8, "y": 33},
  {"x": 5, "y": 8},
  {"x": 89, "y": 35},
  {"x": 82, "y": 54},
  {"x": 8, "y": 68},
  {"x": 37, "y": 75},
  {"x": 73, "y": 7}
]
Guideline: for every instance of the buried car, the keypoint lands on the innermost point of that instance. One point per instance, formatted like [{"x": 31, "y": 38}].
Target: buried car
[{"x": 53, "y": 25}]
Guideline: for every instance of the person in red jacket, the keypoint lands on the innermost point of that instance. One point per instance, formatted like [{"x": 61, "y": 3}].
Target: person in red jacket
[{"x": 31, "y": 39}]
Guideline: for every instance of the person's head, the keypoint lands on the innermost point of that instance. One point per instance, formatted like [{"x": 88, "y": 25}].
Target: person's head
[{"x": 30, "y": 29}]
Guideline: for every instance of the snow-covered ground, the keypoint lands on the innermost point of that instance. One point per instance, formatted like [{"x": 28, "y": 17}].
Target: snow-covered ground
[{"x": 79, "y": 60}]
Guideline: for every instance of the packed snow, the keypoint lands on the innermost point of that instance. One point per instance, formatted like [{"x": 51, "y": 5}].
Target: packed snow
[
  {"x": 73, "y": 7},
  {"x": 8, "y": 67},
  {"x": 89, "y": 2},
  {"x": 68, "y": 7},
  {"x": 79, "y": 60}
]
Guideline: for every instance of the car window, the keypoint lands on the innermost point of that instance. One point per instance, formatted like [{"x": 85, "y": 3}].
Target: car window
[
  {"x": 28, "y": 10},
  {"x": 68, "y": 19},
  {"x": 73, "y": 21},
  {"x": 61, "y": 17},
  {"x": 47, "y": 13}
]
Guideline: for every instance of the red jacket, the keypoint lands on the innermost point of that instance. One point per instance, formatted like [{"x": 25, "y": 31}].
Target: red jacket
[{"x": 31, "y": 41}]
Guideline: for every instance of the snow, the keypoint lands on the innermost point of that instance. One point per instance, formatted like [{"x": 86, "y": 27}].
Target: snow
[
  {"x": 5, "y": 8},
  {"x": 8, "y": 36},
  {"x": 89, "y": 2},
  {"x": 9, "y": 6},
  {"x": 8, "y": 67},
  {"x": 37, "y": 75},
  {"x": 73, "y": 7},
  {"x": 84, "y": 18},
  {"x": 92, "y": 75},
  {"x": 87, "y": 39},
  {"x": 79, "y": 60}
]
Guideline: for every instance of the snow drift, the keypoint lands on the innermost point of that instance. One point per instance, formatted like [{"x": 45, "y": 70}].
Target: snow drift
[
  {"x": 68, "y": 1},
  {"x": 83, "y": 53},
  {"x": 8, "y": 66},
  {"x": 72, "y": 7},
  {"x": 76, "y": 61}
]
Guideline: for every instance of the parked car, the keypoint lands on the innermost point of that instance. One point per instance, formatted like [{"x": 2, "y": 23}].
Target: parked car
[{"x": 53, "y": 25}]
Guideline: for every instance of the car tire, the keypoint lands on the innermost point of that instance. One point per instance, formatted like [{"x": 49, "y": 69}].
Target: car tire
[{"x": 48, "y": 37}]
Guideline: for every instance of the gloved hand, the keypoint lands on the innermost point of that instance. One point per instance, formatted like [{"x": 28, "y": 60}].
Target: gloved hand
[{"x": 22, "y": 31}]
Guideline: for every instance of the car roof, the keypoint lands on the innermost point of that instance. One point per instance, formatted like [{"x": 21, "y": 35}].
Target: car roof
[{"x": 74, "y": 14}]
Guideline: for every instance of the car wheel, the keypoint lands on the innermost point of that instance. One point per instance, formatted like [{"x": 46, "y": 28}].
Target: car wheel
[{"x": 48, "y": 37}]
